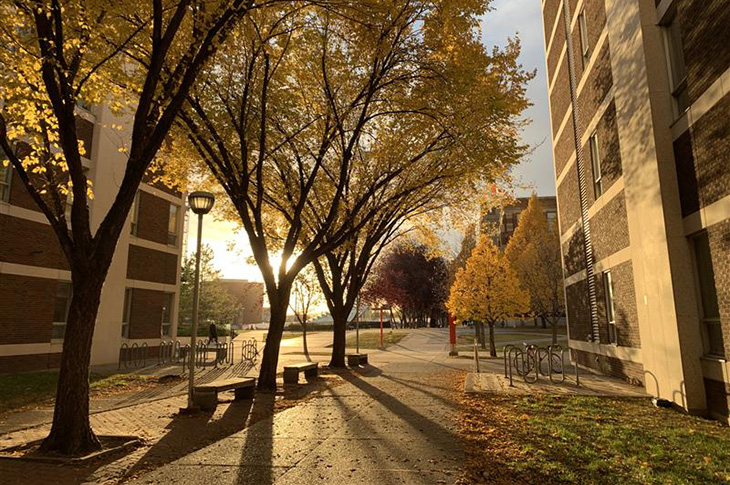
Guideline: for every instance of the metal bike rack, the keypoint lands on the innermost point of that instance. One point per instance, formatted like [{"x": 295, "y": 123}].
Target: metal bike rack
[{"x": 528, "y": 363}]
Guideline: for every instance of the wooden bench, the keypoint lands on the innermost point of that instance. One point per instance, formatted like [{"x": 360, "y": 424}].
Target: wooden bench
[
  {"x": 291, "y": 372},
  {"x": 205, "y": 396},
  {"x": 353, "y": 360}
]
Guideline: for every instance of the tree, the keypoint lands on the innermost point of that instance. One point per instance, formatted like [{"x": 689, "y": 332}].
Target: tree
[
  {"x": 140, "y": 59},
  {"x": 216, "y": 303},
  {"x": 306, "y": 295},
  {"x": 487, "y": 289},
  {"x": 534, "y": 252},
  {"x": 308, "y": 115},
  {"x": 412, "y": 280}
]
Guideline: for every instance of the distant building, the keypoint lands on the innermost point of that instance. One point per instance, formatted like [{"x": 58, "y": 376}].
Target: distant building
[
  {"x": 139, "y": 302},
  {"x": 249, "y": 298},
  {"x": 640, "y": 108},
  {"x": 501, "y": 221}
]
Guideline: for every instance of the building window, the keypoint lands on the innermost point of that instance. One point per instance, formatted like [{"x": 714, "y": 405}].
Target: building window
[
  {"x": 172, "y": 226},
  {"x": 166, "y": 329},
  {"x": 5, "y": 174},
  {"x": 710, "y": 310},
  {"x": 610, "y": 308},
  {"x": 675, "y": 61},
  {"x": 552, "y": 219},
  {"x": 583, "y": 32},
  {"x": 60, "y": 309},
  {"x": 126, "y": 312},
  {"x": 135, "y": 214},
  {"x": 596, "y": 164}
]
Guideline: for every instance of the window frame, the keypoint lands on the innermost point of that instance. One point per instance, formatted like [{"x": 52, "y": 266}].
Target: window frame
[
  {"x": 610, "y": 301},
  {"x": 596, "y": 165},
  {"x": 172, "y": 236},
  {"x": 676, "y": 64},
  {"x": 583, "y": 37},
  {"x": 706, "y": 322},
  {"x": 57, "y": 323},
  {"x": 6, "y": 178},
  {"x": 127, "y": 312},
  {"x": 167, "y": 308}
]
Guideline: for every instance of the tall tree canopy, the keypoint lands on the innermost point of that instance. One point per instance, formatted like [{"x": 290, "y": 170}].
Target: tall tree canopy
[
  {"x": 137, "y": 58},
  {"x": 534, "y": 252},
  {"x": 308, "y": 116},
  {"x": 487, "y": 289}
]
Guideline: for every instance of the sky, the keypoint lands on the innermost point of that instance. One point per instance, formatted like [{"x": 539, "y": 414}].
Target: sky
[{"x": 507, "y": 19}]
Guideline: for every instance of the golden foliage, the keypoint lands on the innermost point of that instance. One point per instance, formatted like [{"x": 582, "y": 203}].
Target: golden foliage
[{"x": 487, "y": 288}]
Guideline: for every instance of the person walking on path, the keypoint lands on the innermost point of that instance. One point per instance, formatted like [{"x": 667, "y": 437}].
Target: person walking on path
[{"x": 212, "y": 333}]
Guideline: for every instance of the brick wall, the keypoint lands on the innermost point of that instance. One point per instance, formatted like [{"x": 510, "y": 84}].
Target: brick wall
[
  {"x": 629, "y": 371},
  {"x": 15, "y": 364},
  {"x": 711, "y": 149},
  {"x": 550, "y": 10},
  {"x": 149, "y": 265},
  {"x": 718, "y": 397},
  {"x": 597, "y": 85},
  {"x": 719, "y": 237},
  {"x": 569, "y": 200},
  {"x": 26, "y": 309},
  {"x": 146, "y": 314},
  {"x": 609, "y": 152},
  {"x": 705, "y": 37},
  {"x": 30, "y": 243},
  {"x": 578, "y": 310},
  {"x": 560, "y": 97},
  {"x": 574, "y": 253},
  {"x": 555, "y": 49},
  {"x": 595, "y": 14},
  {"x": 610, "y": 228},
  {"x": 564, "y": 147},
  {"x": 626, "y": 316},
  {"x": 153, "y": 218}
]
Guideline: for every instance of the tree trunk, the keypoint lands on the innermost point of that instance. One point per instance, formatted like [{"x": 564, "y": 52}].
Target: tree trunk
[
  {"x": 554, "y": 324},
  {"x": 482, "y": 336},
  {"x": 544, "y": 323},
  {"x": 304, "y": 339},
  {"x": 477, "y": 333},
  {"x": 339, "y": 339},
  {"x": 71, "y": 432},
  {"x": 492, "y": 347},
  {"x": 267, "y": 374}
]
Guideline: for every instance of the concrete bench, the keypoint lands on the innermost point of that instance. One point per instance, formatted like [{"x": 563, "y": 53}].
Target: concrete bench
[
  {"x": 205, "y": 396},
  {"x": 291, "y": 372},
  {"x": 353, "y": 360}
]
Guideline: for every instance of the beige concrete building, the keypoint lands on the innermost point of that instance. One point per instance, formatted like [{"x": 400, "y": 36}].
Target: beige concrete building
[
  {"x": 640, "y": 108},
  {"x": 140, "y": 296}
]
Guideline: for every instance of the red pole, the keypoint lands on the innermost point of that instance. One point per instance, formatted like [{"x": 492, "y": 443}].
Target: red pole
[
  {"x": 381, "y": 328},
  {"x": 452, "y": 336}
]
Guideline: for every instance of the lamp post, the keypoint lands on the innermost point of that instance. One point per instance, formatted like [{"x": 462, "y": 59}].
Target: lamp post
[{"x": 200, "y": 203}]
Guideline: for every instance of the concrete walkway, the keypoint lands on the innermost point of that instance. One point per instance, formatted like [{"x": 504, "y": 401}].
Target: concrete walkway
[{"x": 391, "y": 423}]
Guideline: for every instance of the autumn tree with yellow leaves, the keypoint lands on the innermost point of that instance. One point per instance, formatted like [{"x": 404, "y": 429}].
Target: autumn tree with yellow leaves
[
  {"x": 316, "y": 124},
  {"x": 487, "y": 289},
  {"x": 534, "y": 252},
  {"x": 139, "y": 59}
]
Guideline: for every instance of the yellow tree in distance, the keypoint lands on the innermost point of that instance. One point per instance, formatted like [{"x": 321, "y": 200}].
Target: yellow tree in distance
[
  {"x": 534, "y": 253},
  {"x": 487, "y": 289}
]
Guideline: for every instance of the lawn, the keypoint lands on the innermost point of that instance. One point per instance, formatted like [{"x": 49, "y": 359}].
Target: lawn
[
  {"x": 371, "y": 340},
  {"x": 39, "y": 388},
  {"x": 577, "y": 439}
]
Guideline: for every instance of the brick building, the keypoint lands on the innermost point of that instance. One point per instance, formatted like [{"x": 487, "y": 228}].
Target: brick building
[
  {"x": 140, "y": 296},
  {"x": 640, "y": 107},
  {"x": 501, "y": 220},
  {"x": 249, "y": 300}
]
